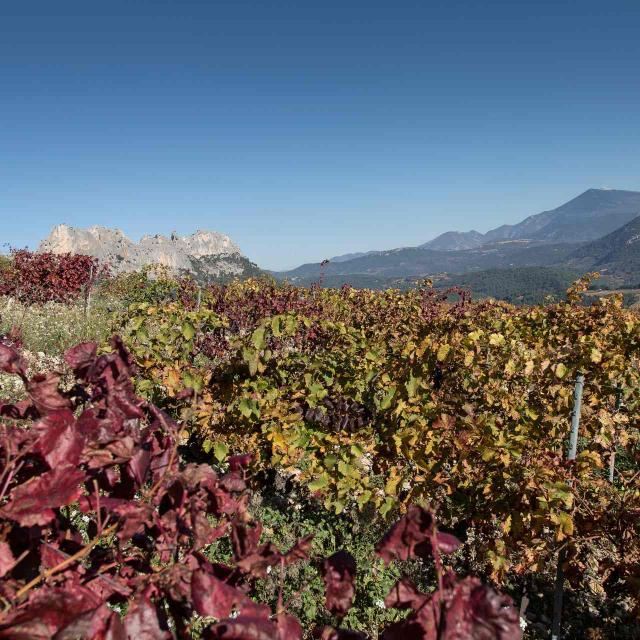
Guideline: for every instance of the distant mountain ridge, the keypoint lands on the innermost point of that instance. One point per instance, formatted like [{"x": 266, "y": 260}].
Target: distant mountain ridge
[
  {"x": 544, "y": 239},
  {"x": 207, "y": 255},
  {"x": 455, "y": 241},
  {"x": 589, "y": 216},
  {"x": 616, "y": 255}
]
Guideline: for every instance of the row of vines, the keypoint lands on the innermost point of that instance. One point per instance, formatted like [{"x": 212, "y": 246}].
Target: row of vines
[
  {"x": 376, "y": 400},
  {"x": 128, "y": 507}
]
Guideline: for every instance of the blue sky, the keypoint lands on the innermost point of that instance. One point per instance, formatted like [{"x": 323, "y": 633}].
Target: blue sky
[{"x": 309, "y": 129}]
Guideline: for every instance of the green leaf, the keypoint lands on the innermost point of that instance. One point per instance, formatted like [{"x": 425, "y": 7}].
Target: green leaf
[
  {"x": 220, "y": 451},
  {"x": 385, "y": 403},
  {"x": 412, "y": 385},
  {"x": 245, "y": 407},
  {"x": 276, "y": 326},
  {"x": 330, "y": 461},
  {"x": 188, "y": 330},
  {"x": 257, "y": 338},
  {"x": 387, "y": 505},
  {"x": 319, "y": 483}
]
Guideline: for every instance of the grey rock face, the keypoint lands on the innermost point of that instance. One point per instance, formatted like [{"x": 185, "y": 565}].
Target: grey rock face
[{"x": 208, "y": 253}]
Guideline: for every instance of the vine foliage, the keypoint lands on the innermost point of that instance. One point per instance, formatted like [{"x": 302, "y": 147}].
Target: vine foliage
[{"x": 103, "y": 530}]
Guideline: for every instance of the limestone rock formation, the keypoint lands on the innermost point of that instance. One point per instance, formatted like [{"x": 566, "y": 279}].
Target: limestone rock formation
[{"x": 207, "y": 255}]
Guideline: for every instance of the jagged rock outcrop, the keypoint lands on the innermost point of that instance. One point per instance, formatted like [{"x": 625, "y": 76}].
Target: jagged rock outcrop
[{"x": 207, "y": 255}]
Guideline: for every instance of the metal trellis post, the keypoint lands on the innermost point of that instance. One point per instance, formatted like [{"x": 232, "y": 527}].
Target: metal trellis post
[{"x": 573, "y": 450}]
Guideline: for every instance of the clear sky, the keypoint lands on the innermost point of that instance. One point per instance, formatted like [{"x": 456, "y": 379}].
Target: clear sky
[{"x": 309, "y": 129}]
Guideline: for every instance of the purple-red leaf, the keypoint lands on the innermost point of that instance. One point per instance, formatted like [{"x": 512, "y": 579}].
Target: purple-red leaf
[
  {"x": 44, "y": 393},
  {"x": 410, "y": 537},
  {"x": 6, "y": 558},
  {"x": 447, "y": 543},
  {"x": 289, "y": 628},
  {"x": 143, "y": 623},
  {"x": 81, "y": 357},
  {"x": 48, "y": 611},
  {"x": 241, "y": 461},
  {"x": 404, "y": 595},
  {"x": 11, "y": 361},
  {"x": 299, "y": 551},
  {"x": 465, "y": 610},
  {"x": 98, "y": 624},
  {"x": 339, "y": 572},
  {"x": 250, "y": 557},
  {"x": 213, "y": 597},
  {"x": 32, "y": 503},
  {"x": 331, "y": 633},
  {"x": 60, "y": 441},
  {"x": 243, "y": 628}
]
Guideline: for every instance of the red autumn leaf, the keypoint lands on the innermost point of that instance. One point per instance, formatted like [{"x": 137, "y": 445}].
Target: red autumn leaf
[
  {"x": 60, "y": 441},
  {"x": 11, "y": 361},
  {"x": 44, "y": 393},
  {"x": 48, "y": 611},
  {"x": 465, "y": 610},
  {"x": 289, "y": 628},
  {"x": 81, "y": 357},
  {"x": 331, "y": 633},
  {"x": 299, "y": 551},
  {"x": 250, "y": 557},
  {"x": 238, "y": 462},
  {"x": 404, "y": 595},
  {"x": 339, "y": 572},
  {"x": 244, "y": 628},
  {"x": 213, "y": 597},
  {"x": 410, "y": 537},
  {"x": 142, "y": 621},
  {"x": 447, "y": 543},
  {"x": 6, "y": 558},
  {"x": 98, "y": 624},
  {"x": 32, "y": 503}
]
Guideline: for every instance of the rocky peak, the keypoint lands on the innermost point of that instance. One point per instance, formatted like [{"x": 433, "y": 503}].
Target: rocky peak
[{"x": 178, "y": 253}]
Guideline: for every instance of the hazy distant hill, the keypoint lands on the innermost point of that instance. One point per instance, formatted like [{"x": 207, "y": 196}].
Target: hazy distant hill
[
  {"x": 416, "y": 261},
  {"x": 591, "y": 215},
  {"x": 544, "y": 239},
  {"x": 455, "y": 241},
  {"x": 616, "y": 256}
]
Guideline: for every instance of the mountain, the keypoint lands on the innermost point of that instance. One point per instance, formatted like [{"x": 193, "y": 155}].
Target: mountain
[
  {"x": 616, "y": 256},
  {"x": 544, "y": 239},
  {"x": 207, "y": 255},
  {"x": 591, "y": 215},
  {"x": 416, "y": 261},
  {"x": 349, "y": 256},
  {"x": 455, "y": 241}
]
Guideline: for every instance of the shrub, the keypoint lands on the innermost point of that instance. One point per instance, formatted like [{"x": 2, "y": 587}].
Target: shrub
[
  {"x": 43, "y": 277},
  {"x": 99, "y": 518},
  {"x": 152, "y": 284}
]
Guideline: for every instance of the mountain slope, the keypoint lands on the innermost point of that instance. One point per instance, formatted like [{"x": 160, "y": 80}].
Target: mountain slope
[
  {"x": 546, "y": 238},
  {"x": 616, "y": 256},
  {"x": 416, "y": 261},
  {"x": 591, "y": 215},
  {"x": 455, "y": 241}
]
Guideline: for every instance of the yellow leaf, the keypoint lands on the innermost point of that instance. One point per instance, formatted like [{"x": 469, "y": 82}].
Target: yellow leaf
[
  {"x": 561, "y": 371},
  {"x": 443, "y": 352},
  {"x": 596, "y": 356},
  {"x": 496, "y": 339}
]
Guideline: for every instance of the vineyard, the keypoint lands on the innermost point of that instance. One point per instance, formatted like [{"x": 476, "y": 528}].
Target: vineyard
[{"x": 150, "y": 485}]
